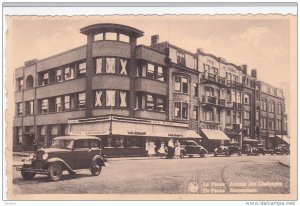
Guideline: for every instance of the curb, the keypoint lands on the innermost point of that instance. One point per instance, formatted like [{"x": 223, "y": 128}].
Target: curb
[{"x": 284, "y": 164}]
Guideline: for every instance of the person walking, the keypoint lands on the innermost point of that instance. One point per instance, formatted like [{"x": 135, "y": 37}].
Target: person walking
[
  {"x": 162, "y": 150},
  {"x": 170, "y": 149},
  {"x": 177, "y": 150}
]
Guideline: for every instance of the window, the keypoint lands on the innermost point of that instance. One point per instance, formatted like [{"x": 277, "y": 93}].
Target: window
[
  {"x": 29, "y": 107},
  {"x": 246, "y": 99},
  {"x": 247, "y": 131},
  {"x": 208, "y": 114},
  {"x": 184, "y": 110},
  {"x": 271, "y": 106},
  {"x": 278, "y": 125},
  {"x": 279, "y": 108},
  {"x": 123, "y": 66},
  {"x": 185, "y": 86},
  {"x": 271, "y": 124},
  {"x": 264, "y": 105},
  {"x": 234, "y": 117},
  {"x": 20, "y": 109},
  {"x": 150, "y": 102},
  {"x": 195, "y": 113},
  {"x": 99, "y": 65},
  {"x": 81, "y": 100},
  {"x": 69, "y": 73},
  {"x": 160, "y": 74},
  {"x": 110, "y": 98},
  {"x": 67, "y": 103},
  {"x": 19, "y": 135},
  {"x": 98, "y": 98},
  {"x": 209, "y": 91},
  {"x": 263, "y": 122},
  {"x": 246, "y": 115},
  {"x": 180, "y": 58},
  {"x": 110, "y": 65},
  {"x": 177, "y": 84},
  {"x": 177, "y": 109},
  {"x": 44, "y": 106},
  {"x": 195, "y": 89},
  {"x": 228, "y": 117},
  {"x": 45, "y": 79},
  {"x": 58, "y": 107},
  {"x": 111, "y": 36},
  {"x": 82, "y": 69},
  {"x": 123, "y": 99},
  {"x": 58, "y": 75},
  {"x": 256, "y": 115},
  {"x": 161, "y": 104},
  {"x": 239, "y": 118},
  {"x": 150, "y": 71},
  {"x": 20, "y": 83}
]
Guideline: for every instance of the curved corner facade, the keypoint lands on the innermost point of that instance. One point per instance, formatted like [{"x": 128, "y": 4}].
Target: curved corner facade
[{"x": 127, "y": 94}]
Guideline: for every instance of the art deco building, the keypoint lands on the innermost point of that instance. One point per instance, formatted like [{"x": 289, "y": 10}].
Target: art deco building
[{"x": 127, "y": 94}]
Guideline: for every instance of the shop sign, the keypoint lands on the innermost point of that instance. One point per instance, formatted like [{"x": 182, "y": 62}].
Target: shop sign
[
  {"x": 136, "y": 133},
  {"x": 103, "y": 132},
  {"x": 73, "y": 121},
  {"x": 174, "y": 135}
]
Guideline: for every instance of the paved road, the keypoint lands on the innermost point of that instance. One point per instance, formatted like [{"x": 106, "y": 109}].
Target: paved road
[{"x": 261, "y": 174}]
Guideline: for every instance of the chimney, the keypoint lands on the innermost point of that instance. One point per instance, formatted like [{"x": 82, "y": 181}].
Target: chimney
[
  {"x": 254, "y": 73},
  {"x": 154, "y": 39},
  {"x": 245, "y": 68}
]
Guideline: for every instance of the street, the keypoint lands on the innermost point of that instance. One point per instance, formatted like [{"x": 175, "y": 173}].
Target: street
[{"x": 235, "y": 174}]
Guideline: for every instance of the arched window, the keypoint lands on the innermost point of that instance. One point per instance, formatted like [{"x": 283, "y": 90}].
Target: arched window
[
  {"x": 247, "y": 99},
  {"x": 29, "y": 82},
  {"x": 279, "y": 108},
  {"x": 272, "y": 106},
  {"x": 264, "y": 104}
]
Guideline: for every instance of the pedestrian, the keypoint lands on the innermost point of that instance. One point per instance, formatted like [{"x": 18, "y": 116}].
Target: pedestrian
[
  {"x": 177, "y": 150},
  {"x": 170, "y": 149},
  {"x": 151, "y": 150},
  {"x": 162, "y": 150},
  {"x": 146, "y": 147}
]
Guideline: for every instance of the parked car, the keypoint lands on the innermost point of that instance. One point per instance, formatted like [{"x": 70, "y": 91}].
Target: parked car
[
  {"x": 191, "y": 148},
  {"x": 256, "y": 150},
  {"x": 230, "y": 149},
  {"x": 281, "y": 149},
  {"x": 67, "y": 153}
]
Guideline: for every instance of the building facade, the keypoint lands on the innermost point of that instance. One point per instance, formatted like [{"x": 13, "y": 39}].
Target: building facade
[{"x": 130, "y": 94}]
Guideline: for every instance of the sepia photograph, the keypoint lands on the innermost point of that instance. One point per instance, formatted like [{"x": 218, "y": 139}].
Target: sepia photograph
[{"x": 194, "y": 107}]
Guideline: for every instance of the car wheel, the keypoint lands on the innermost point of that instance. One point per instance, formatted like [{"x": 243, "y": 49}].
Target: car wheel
[
  {"x": 202, "y": 155},
  {"x": 227, "y": 154},
  {"x": 240, "y": 153},
  {"x": 215, "y": 154},
  {"x": 96, "y": 168},
  {"x": 190, "y": 156},
  {"x": 28, "y": 175},
  {"x": 55, "y": 171}
]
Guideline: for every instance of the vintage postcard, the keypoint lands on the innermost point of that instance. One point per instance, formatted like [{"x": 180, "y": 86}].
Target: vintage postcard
[{"x": 151, "y": 107}]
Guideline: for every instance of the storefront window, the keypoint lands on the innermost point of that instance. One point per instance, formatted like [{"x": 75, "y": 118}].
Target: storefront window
[
  {"x": 110, "y": 65},
  {"x": 110, "y": 98},
  {"x": 117, "y": 142}
]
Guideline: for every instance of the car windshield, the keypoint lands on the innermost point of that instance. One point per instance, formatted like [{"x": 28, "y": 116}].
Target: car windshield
[{"x": 62, "y": 143}]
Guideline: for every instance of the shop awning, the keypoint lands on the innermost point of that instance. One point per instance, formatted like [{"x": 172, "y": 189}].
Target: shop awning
[
  {"x": 124, "y": 128},
  {"x": 250, "y": 140},
  {"x": 149, "y": 130},
  {"x": 284, "y": 138},
  {"x": 215, "y": 134}
]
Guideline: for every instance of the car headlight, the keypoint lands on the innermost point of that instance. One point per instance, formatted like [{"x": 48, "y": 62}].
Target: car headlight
[{"x": 45, "y": 156}]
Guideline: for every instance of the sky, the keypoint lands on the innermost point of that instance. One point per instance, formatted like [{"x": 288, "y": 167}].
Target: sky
[{"x": 263, "y": 44}]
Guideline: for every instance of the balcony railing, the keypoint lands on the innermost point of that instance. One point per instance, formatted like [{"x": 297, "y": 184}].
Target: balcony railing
[
  {"x": 221, "y": 102},
  {"x": 213, "y": 78},
  {"x": 236, "y": 127},
  {"x": 234, "y": 84},
  {"x": 235, "y": 105},
  {"x": 209, "y": 99}
]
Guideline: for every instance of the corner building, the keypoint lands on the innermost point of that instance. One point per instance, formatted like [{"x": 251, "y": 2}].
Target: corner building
[{"x": 128, "y": 94}]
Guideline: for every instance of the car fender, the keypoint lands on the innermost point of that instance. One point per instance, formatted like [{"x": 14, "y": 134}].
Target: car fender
[
  {"x": 56, "y": 159},
  {"x": 98, "y": 157}
]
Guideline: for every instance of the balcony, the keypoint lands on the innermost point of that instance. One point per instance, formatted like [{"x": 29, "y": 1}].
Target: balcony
[
  {"x": 209, "y": 99},
  {"x": 237, "y": 127},
  {"x": 212, "y": 78},
  {"x": 234, "y": 84},
  {"x": 234, "y": 105},
  {"x": 221, "y": 102}
]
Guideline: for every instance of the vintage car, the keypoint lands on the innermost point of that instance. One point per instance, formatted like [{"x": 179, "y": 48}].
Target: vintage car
[
  {"x": 230, "y": 149},
  {"x": 191, "y": 148},
  {"x": 280, "y": 150},
  {"x": 256, "y": 150},
  {"x": 67, "y": 153}
]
